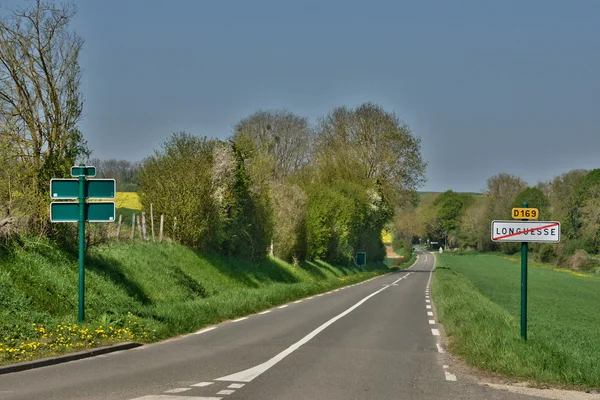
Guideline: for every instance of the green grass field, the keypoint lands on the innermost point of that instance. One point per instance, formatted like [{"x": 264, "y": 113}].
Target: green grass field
[
  {"x": 140, "y": 291},
  {"x": 478, "y": 301}
]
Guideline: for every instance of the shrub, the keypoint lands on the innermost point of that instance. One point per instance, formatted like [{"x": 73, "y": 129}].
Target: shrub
[
  {"x": 289, "y": 236},
  {"x": 547, "y": 253},
  {"x": 581, "y": 260}
]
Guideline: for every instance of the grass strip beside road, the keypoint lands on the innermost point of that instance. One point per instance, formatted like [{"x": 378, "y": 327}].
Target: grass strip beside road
[
  {"x": 139, "y": 291},
  {"x": 477, "y": 297}
]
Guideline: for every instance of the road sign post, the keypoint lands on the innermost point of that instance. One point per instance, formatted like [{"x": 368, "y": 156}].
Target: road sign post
[
  {"x": 524, "y": 250},
  {"x": 81, "y": 211},
  {"x": 81, "y": 313},
  {"x": 525, "y": 231}
]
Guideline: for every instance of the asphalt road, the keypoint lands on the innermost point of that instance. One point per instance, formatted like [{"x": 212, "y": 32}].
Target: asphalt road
[{"x": 374, "y": 340}]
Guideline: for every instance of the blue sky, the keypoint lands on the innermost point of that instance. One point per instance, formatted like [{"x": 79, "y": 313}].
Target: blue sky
[{"x": 489, "y": 86}]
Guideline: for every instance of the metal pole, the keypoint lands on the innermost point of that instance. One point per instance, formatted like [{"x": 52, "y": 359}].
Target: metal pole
[
  {"x": 524, "y": 285},
  {"x": 81, "y": 314}
]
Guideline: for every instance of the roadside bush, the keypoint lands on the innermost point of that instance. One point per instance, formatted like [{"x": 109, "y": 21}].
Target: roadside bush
[
  {"x": 547, "y": 253},
  {"x": 177, "y": 181},
  {"x": 581, "y": 260},
  {"x": 289, "y": 236}
]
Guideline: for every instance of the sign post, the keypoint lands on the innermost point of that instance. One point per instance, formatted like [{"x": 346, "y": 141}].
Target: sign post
[
  {"x": 525, "y": 231},
  {"x": 524, "y": 249},
  {"x": 81, "y": 211}
]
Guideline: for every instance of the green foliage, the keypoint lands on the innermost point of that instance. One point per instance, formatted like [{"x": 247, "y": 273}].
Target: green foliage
[
  {"x": 290, "y": 207},
  {"x": 177, "y": 181},
  {"x": 535, "y": 198}
]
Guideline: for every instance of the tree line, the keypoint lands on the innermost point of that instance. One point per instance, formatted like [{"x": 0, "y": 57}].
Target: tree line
[
  {"x": 305, "y": 191},
  {"x": 462, "y": 220}
]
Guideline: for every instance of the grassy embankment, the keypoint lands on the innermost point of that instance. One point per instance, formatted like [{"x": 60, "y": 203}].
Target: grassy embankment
[
  {"x": 478, "y": 301},
  {"x": 140, "y": 291}
]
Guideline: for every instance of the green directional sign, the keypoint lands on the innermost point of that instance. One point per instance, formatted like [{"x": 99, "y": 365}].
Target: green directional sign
[
  {"x": 68, "y": 211},
  {"x": 94, "y": 188},
  {"x": 100, "y": 188},
  {"x": 361, "y": 258},
  {"x": 83, "y": 170}
]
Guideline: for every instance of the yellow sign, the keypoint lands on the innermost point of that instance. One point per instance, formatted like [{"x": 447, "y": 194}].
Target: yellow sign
[{"x": 525, "y": 213}]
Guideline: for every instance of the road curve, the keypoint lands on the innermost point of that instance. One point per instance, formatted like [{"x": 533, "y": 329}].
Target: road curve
[{"x": 374, "y": 340}]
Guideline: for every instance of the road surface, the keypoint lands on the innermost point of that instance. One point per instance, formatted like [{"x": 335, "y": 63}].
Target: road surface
[{"x": 374, "y": 340}]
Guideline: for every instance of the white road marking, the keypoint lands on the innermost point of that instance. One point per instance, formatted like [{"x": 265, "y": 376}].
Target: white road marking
[
  {"x": 431, "y": 322},
  {"x": 203, "y": 384},
  {"x": 445, "y": 366},
  {"x": 249, "y": 374},
  {"x": 205, "y": 330},
  {"x": 168, "y": 397},
  {"x": 283, "y": 306},
  {"x": 439, "y": 347},
  {"x": 312, "y": 297},
  {"x": 430, "y": 313},
  {"x": 226, "y": 391},
  {"x": 428, "y": 307},
  {"x": 427, "y": 301},
  {"x": 236, "y": 386},
  {"x": 299, "y": 301},
  {"x": 319, "y": 295},
  {"x": 179, "y": 390},
  {"x": 435, "y": 332},
  {"x": 264, "y": 312},
  {"x": 239, "y": 319},
  {"x": 450, "y": 377}
]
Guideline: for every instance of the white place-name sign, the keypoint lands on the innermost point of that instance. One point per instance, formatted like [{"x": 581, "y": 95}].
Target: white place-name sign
[{"x": 526, "y": 231}]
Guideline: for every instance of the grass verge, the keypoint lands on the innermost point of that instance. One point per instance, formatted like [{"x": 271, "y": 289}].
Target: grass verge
[
  {"x": 478, "y": 301},
  {"x": 139, "y": 291}
]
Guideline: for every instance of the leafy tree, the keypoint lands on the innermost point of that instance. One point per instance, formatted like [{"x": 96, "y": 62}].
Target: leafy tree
[
  {"x": 40, "y": 101},
  {"x": 535, "y": 198},
  {"x": 124, "y": 172},
  {"x": 177, "y": 180},
  {"x": 369, "y": 144}
]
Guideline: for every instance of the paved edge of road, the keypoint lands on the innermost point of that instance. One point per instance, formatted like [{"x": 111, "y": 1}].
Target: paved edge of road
[{"x": 43, "y": 362}]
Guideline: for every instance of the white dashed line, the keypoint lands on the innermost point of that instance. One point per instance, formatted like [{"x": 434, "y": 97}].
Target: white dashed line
[
  {"x": 319, "y": 295},
  {"x": 179, "y": 390},
  {"x": 427, "y": 301},
  {"x": 226, "y": 391},
  {"x": 431, "y": 322},
  {"x": 203, "y": 384},
  {"x": 440, "y": 348},
  {"x": 236, "y": 385},
  {"x": 283, "y": 306},
  {"x": 239, "y": 319},
  {"x": 299, "y": 301},
  {"x": 205, "y": 330},
  {"x": 264, "y": 312},
  {"x": 428, "y": 307},
  {"x": 429, "y": 313},
  {"x": 435, "y": 332},
  {"x": 450, "y": 377}
]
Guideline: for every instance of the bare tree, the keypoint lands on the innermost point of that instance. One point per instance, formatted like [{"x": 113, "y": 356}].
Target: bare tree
[
  {"x": 40, "y": 101},
  {"x": 282, "y": 135}
]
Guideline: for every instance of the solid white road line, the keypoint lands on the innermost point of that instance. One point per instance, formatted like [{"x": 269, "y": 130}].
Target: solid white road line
[
  {"x": 264, "y": 312},
  {"x": 205, "y": 330},
  {"x": 226, "y": 391},
  {"x": 283, "y": 306},
  {"x": 169, "y": 397},
  {"x": 439, "y": 347},
  {"x": 239, "y": 319},
  {"x": 203, "y": 384},
  {"x": 435, "y": 332},
  {"x": 430, "y": 313},
  {"x": 251, "y": 373},
  {"x": 431, "y": 322},
  {"x": 178, "y": 390},
  {"x": 236, "y": 386}
]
